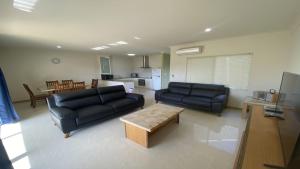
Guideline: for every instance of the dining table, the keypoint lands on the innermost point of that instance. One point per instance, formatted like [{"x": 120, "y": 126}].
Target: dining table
[{"x": 44, "y": 89}]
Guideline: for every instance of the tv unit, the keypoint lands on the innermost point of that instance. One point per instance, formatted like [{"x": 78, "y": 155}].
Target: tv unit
[{"x": 289, "y": 128}]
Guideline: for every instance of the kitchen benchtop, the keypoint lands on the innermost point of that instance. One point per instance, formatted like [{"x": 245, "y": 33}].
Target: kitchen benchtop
[{"x": 131, "y": 78}]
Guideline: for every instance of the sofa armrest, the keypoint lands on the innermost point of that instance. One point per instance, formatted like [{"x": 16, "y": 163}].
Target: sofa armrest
[
  {"x": 51, "y": 102},
  {"x": 63, "y": 113},
  {"x": 161, "y": 91},
  {"x": 158, "y": 93},
  {"x": 220, "y": 99},
  {"x": 134, "y": 96}
]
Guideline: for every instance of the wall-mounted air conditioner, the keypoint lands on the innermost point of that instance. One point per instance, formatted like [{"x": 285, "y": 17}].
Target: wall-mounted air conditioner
[{"x": 190, "y": 51}]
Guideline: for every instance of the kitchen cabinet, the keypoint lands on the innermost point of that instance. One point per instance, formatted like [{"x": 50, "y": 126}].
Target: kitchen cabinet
[
  {"x": 135, "y": 81},
  {"x": 149, "y": 84}
]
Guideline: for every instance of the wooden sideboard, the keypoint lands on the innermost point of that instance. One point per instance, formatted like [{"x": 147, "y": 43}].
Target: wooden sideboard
[{"x": 260, "y": 146}]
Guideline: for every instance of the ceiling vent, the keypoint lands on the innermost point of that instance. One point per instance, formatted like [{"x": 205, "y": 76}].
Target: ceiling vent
[{"x": 190, "y": 51}]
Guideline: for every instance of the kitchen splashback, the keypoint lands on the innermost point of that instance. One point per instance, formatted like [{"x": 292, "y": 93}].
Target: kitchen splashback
[{"x": 144, "y": 72}]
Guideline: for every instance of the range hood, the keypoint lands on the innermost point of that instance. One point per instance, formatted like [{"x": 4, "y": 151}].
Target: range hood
[{"x": 145, "y": 63}]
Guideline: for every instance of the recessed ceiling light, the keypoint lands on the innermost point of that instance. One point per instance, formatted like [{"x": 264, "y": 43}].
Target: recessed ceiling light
[
  {"x": 137, "y": 38},
  {"x": 131, "y": 54},
  {"x": 25, "y": 10},
  {"x": 122, "y": 42},
  {"x": 208, "y": 30},
  {"x": 58, "y": 46},
  {"x": 104, "y": 47},
  {"x": 113, "y": 44},
  {"x": 100, "y": 47}
]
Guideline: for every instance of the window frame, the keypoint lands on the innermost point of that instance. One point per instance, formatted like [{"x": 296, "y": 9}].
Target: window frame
[{"x": 109, "y": 63}]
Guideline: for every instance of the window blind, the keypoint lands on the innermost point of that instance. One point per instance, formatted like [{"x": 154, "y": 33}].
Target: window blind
[{"x": 232, "y": 71}]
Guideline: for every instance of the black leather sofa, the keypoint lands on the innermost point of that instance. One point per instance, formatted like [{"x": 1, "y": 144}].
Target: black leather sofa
[
  {"x": 72, "y": 110},
  {"x": 208, "y": 97}
]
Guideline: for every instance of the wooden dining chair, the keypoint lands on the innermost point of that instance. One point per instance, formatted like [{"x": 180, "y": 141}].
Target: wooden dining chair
[
  {"x": 64, "y": 87},
  {"x": 70, "y": 82},
  {"x": 78, "y": 86},
  {"x": 52, "y": 84},
  {"x": 34, "y": 98},
  {"x": 94, "y": 83}
]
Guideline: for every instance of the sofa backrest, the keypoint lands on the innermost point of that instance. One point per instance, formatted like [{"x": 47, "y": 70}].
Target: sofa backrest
[
  {"x": 75, "y": 100},
  {"x": 208, "y": 90},
  {"x": 111, "y": 93},
  {"x": 180, "y": 88}
]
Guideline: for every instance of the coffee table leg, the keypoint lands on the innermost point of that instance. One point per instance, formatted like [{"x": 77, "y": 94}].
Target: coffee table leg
[
  {"x": 137, "y": 135},
  {"x": 177, "y": 118},
  {"x": 125, "y": 130}
]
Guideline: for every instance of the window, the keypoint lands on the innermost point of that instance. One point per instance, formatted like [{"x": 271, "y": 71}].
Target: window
[
  {"x": 105, "y": 65},
  {"x": 232, "y": 71},
  {"x": 13, "y": 141}
]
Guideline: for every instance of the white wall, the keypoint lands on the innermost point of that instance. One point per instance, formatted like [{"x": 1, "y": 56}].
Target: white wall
[
  {"x": 271, "y": 52},
  {"x": 34, "y": 67},
  {"x": 295, "y": 59},
  {"x": 121, "y": 66},
  {"x": 156, "y": 61}
]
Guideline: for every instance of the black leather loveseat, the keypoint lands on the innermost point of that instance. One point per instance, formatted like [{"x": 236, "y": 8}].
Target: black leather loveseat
[
  {"x": 208, "y": 97},
  {"x": 72, "y": 110}
]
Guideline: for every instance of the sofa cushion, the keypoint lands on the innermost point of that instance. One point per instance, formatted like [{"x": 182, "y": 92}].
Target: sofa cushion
[
  {"x": 207, "y": 90},
  {"x": 92, "y": 113},
  {"x": 111, "y": 93},
  {"x": 208, "y": 86},
  {"x": 203, "y": 93},
  {"x": 76, "y": 100},
  {"x": 179, "y": 88},
  {"x": 180, "y": 84},
  {"x": 122, "y": 104},
  {"x": 197, "y": 101},
  {"x": 172, "y": 97},
  {"x": 75, "y": 95}
]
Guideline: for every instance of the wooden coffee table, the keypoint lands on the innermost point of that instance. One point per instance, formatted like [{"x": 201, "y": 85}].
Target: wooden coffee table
[{"x": 141, "y": 124}]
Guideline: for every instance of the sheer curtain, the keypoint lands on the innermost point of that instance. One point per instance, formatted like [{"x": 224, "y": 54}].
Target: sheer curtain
[
  {"x": 7, "y": 110},
  {"x": 7, "y": 115}
]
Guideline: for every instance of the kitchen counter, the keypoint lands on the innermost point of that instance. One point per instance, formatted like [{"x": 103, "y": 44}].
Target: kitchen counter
[
  {"x": 131, "y": 78},
  {"x": 148, "y": 82},
  {"x": 128, "y": 85}
]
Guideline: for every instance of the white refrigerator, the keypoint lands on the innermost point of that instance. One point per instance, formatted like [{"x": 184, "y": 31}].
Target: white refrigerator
[{"x": 156, "y": 79}]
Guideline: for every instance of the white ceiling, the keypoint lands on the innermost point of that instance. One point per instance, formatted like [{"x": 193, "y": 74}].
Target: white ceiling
[{"x": 83, "y": 24}]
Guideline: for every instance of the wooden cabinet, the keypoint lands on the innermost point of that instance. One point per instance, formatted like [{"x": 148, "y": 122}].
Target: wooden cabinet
[{"x": 260, "y": 145}]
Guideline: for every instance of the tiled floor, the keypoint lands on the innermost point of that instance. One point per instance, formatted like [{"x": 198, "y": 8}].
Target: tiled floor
[{"x": 201, "y": 141}]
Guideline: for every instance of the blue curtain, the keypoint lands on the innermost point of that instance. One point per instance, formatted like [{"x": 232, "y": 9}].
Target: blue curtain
[{"x": 7, "y": 110}]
